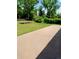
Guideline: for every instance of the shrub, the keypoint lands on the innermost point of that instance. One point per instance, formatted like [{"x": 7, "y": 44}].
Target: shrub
[
  {"x": 57, "y": 18},
  {"x": 56, "y": 21},
  {"x": 52, "y": 21},
  {"x": 47, "y": 20},
  {"x": 38, "y": 19}
]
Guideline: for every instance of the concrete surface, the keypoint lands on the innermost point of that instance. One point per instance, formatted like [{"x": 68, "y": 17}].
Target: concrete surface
[
  {"x": 53, "y": 49},
  {"x": 30, "y": 45}
]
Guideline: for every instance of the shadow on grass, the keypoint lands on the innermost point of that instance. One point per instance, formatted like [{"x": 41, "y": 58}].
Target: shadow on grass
[{"x": 53, "y": 49}]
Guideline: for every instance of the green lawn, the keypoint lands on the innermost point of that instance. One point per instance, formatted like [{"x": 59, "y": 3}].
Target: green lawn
[{"x": 32, "y": 26}]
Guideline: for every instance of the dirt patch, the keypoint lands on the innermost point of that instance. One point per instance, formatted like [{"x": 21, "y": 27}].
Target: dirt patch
[{"x": 25, "y": 22}]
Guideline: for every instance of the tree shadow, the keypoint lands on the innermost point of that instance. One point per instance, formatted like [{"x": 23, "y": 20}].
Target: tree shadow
[{"x": 53, "y": 49}]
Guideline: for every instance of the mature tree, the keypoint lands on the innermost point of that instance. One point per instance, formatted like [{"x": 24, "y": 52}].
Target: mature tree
[
  {"x": 41, "y": 12},
  {"x": 28, "y": 7},
  {"x": 51, "y": 6},
  {"x": 19, "y": 8},
  {"x": 25, "y": 7}
]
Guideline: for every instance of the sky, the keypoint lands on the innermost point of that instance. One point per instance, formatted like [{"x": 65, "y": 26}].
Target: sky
[{"x": 39, "y": 4}]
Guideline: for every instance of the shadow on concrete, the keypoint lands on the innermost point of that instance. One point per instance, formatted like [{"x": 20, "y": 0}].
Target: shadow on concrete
[{"x": 53, "y": 49}]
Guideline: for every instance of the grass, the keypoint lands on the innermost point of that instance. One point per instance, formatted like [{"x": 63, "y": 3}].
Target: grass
[{"x": 29, "y": 27}]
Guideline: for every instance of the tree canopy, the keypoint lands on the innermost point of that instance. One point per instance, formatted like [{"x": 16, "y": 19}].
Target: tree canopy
[
  {"x": 24, "y": 7},
  {"x": 51, "y": 6}
]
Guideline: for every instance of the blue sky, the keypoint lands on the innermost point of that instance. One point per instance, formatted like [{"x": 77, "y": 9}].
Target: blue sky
[{"x": 39, "y": 4}]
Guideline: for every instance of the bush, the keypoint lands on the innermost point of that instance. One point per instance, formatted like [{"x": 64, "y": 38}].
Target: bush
[
  {"x": 52, "y": 21},
  {"x": 47, "y": 20},
  {"x": 38, "y": 19},
  {"x": 56, "y": 21},
  {"x": 57, "y": 18}
]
